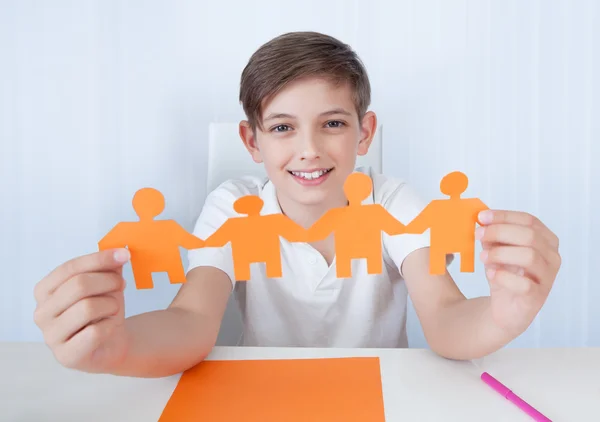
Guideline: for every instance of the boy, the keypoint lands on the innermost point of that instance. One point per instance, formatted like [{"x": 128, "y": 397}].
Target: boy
[{"x": 306, "y": 97}]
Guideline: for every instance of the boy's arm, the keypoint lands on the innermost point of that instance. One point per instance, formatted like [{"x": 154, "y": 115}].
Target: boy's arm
[
  {"x": 455, "y": 327},
  {"x": 167, "y": 342},
  {"x": 116, "y": 238}
]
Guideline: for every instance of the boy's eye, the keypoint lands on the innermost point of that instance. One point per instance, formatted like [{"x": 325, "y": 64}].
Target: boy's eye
[
  {"x": 335, "y": 124},
  {"x": 280, "y": 128}
]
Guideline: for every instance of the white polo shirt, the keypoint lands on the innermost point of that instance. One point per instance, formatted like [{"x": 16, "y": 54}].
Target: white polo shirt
[{"x": 309, "y": 306}]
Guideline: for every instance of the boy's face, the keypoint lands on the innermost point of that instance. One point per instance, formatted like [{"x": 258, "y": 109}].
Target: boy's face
[{"x": 310, "y": 139}]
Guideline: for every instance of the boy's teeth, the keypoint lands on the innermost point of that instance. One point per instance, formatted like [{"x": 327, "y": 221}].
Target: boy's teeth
[{"x": 309, "y": 176}]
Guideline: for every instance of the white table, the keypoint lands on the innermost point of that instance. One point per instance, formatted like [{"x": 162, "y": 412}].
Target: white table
[{"x": 564, "y": 384}]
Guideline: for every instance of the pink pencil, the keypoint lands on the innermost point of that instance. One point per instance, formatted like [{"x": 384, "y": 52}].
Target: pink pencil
[{"x": 513, "y": 398}]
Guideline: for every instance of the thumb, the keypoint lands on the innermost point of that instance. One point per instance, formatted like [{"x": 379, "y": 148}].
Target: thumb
[
  {"x": 112, "y": 259},
  {"x": 120, "y": 257}
]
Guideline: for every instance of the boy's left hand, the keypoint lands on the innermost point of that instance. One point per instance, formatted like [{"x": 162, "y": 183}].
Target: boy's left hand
[{"x": 521, "y": 258}]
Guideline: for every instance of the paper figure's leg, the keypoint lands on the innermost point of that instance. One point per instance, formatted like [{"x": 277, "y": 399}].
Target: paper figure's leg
[
  {"x": 177, "y": 274},
  {"x": 467, "y": 259},
  {"x": 437, "y": 261},
  {"x": 143, "y": 278},
  {"x": 343, "y": 267},
  {"x": 374, "y": 264},
  {"x": 274, "y": 268},
  {"x": 242, "y": 271}
]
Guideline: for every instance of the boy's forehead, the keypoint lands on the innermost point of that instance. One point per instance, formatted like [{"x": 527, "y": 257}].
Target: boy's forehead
[{"x": 310, "y": 95}]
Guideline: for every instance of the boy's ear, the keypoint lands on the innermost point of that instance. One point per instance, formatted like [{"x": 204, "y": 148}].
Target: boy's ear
[
  {"x": 249, "y": 139},
  {"x": 368, "y": 127}
]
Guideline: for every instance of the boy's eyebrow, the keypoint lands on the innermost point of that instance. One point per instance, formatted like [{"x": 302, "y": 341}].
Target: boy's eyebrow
[
  {"x": 336, "y": 111},
  {"x": 274, "y": 116}
]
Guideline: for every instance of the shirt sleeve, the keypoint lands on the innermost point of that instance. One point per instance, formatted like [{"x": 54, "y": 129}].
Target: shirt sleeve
[
  {"x": 217, "y": 209},
  {"x": 405, "y": 204}
]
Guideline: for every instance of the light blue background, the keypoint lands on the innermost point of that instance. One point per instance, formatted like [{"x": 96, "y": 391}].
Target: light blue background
[{"x": 100, "y": 98}]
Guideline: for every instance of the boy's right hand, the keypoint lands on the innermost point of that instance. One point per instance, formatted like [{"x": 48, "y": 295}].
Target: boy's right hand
[{"x": 81, "y": 312}]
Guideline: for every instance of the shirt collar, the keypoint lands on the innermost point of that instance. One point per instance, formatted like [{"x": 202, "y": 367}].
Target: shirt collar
[{"x": 269, "y": 197}]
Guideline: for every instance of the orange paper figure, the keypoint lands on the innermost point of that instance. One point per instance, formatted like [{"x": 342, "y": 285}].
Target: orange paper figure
[
  {"x": 255, "y": 238},
  {"x": 451, "y": 223},
  {"x": 357, "y": 228},
  {"x": 153, "y": 244}
]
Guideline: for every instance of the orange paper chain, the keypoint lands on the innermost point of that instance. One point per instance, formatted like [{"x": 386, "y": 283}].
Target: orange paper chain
[{"x": 255, "y": 238}]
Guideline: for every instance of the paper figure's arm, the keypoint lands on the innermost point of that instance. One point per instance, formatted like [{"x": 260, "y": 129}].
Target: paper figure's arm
[
  {"x": 290, "y": 230},
  {"x": 221, "y": 236},
  {"x": 421, "y": 222},
  {"x": 185, "y": 238},
  {"x": 116, "y": 238},
  {"x": 321, "y": 229},
  {"x": 388, "y": 223}
]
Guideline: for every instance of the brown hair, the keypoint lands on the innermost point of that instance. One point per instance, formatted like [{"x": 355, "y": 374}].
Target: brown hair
[{"x": 300, "y": 54}]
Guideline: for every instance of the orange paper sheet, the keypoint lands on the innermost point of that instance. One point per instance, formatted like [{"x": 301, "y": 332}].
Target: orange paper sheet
[{"x": 294, "y": 390}]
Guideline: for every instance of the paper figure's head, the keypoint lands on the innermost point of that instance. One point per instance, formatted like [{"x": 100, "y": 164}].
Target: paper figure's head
[
  {"x": 357, "y": 188},
  {"x": 249, "y": 205},
  {"x": 148, "y": 203},
  {"x": 454, "y": 184}
]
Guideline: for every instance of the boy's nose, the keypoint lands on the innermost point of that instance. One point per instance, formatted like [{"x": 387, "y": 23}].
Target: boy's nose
[{"x": 310, "y": 147}]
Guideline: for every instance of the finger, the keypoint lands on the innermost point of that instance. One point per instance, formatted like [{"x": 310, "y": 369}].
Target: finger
[
  {"x": 490, "y": 238},
  {"x": 487, "y": 246},
  {"x": 512, "y": 234},
  {"x": 520, "y": 218},
  {"x": 526, "y": 258},
  {"x": 74, "y": 290},
  {"x": 98, "y": 261},
  {"x": 79, "y": 316},
  {"x": 510, "y": 268},
  {"x": 84, "y": 343},
  {"x": 515, "y": 283}
]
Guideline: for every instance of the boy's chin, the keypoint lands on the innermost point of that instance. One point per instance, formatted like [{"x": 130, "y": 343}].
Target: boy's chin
[
  {"x": 314, "y": 195},
  {"x": 311, "y": 199}
]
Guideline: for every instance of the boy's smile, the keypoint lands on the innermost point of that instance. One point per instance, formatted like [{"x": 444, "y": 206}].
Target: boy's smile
[
  {"x": 308, "y": 143},
  {"x": 311, "y": 177}
]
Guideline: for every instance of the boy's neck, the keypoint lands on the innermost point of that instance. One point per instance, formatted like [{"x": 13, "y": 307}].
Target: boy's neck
[{"x": 307, "y": 215}]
